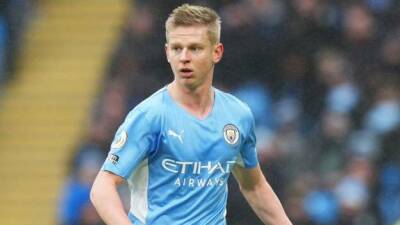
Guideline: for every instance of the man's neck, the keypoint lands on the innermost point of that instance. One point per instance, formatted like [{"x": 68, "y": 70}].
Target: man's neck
[{"x": 198, "y": 102}]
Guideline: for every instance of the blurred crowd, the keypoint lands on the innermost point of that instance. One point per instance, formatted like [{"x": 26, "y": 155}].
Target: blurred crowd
[
  {"x": 322, "y": 78},
  {"x": 14, "y": 16}
]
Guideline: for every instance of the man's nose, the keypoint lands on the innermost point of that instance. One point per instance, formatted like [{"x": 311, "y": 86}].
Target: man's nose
[{"x": 185, "y": 55}]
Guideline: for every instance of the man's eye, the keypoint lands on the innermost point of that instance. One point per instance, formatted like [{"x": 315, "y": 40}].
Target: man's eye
[
  {"x": 196, "y": 49},
  {"x": 176, "y": 49}
]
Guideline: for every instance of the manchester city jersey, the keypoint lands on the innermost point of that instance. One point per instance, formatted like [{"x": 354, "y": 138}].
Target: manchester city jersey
[{"x": 177, "y": 166}]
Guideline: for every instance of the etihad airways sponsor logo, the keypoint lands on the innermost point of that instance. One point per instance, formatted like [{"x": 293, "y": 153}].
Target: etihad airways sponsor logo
[
  {"x": 202, "y": 183},
  {"x": 197, "y": 167}
]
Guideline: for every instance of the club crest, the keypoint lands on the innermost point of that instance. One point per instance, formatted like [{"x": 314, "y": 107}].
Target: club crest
[
  {"x": 120, "y": 140},
  {"x": 231, "y": 134}
]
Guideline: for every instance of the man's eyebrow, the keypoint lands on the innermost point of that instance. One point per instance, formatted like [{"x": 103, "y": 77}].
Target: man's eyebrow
[{"x": 193, "y": 44}]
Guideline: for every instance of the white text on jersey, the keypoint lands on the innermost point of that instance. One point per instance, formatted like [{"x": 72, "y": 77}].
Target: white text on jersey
[{"x": 187, "y": 167}]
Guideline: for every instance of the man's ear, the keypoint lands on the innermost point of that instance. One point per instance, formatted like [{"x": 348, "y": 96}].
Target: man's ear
[{"x": 218, "y": 52}]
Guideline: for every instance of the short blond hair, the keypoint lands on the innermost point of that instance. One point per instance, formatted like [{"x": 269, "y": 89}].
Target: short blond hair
[{"x": 190, "y": 15}]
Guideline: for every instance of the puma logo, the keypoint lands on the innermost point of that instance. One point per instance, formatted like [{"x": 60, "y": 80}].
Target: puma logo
[{"x": 174, "y": 134}]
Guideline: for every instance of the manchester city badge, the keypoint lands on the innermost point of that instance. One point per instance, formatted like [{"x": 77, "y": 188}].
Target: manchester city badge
[{"x": 231, "y": 134}]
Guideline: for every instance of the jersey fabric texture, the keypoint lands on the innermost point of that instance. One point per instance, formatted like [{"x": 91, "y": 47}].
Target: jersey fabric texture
[{"x": 177, "y": 165}]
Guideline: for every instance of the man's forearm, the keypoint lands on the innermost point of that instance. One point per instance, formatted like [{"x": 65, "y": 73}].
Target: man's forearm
[
  {"x": 107, "y": 202},
  {"x": 266, "y": 205}
]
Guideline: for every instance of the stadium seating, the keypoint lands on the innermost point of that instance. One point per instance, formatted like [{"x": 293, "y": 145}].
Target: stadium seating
[{"x": 43, "y": 111}]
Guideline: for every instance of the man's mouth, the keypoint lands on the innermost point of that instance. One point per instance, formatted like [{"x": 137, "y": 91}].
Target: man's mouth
[{"x": 186, "y": 73}]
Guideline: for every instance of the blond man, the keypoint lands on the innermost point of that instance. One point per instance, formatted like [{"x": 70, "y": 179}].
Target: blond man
[{"x": 178, "y": 147}]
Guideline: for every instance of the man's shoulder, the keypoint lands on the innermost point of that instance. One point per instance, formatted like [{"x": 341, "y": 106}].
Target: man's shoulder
[
  {"x": 152, "y": 106},
  {"x": 233, "y": 103},
  {"x": 154, "y": 101}
]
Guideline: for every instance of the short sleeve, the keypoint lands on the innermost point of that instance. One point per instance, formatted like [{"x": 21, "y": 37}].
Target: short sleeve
[
  {"x": 248, "y": 153},
  {"x": 134, "y": 140}
]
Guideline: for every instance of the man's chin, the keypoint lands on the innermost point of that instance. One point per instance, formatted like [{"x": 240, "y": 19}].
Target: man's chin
[{"x": 188, "y": 83}]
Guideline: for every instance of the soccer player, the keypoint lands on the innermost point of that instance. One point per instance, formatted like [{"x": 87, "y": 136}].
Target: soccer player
[{"x": 177, "y": 148}]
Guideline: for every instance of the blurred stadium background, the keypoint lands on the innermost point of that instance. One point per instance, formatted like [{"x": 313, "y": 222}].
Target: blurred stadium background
[{"x": 322, "y": 78}]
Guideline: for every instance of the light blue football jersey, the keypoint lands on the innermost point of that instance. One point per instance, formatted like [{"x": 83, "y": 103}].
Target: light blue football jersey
[{"x": 177, "y": 166}]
